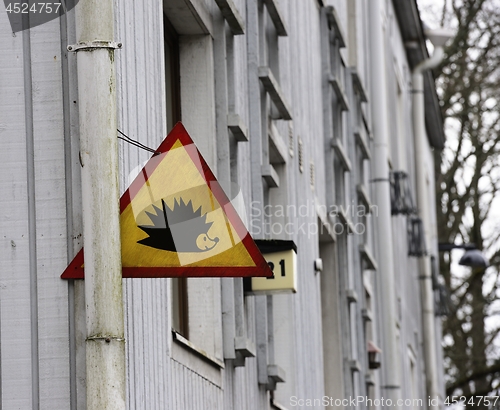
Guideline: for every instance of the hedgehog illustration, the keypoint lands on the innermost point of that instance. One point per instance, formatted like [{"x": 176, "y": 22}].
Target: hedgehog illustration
[{"x": 181, "y": 229}]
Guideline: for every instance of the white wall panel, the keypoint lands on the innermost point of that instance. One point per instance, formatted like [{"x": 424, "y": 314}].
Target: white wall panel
[
  {"x": 50, "y": 199},
  {"x": 41, "y": 364},
  {"x": 34, "y": 300},
  {"x": 15, "y": 289}
]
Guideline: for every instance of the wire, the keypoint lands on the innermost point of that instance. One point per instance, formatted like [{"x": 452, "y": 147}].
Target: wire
[{"x": 131, "y": 141}]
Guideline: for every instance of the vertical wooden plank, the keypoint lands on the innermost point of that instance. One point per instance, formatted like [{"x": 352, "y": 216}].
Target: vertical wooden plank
[
  {"x": 51, "y": 215},
  {"x": 167, "y": 389},
  {"x": 238, "y": 393},
  {"x": 261, "y": 338},
  {"x": 229, "y": 392},
  {"x": 76, "y": 292},
  {"x": 174, "y": 381},
  {"x": 152, "y": 346},
  {"x": 15, "y": 303},
  {"x": 192, "y": 389},
  {"x": 177, "y": 376},
  {"x": 208, "y": 392},
  {"x": 140, "y": 74},
  {"x": 166, "y": 336},
  {"x": 128, "y": 364},
  {"x": 143, "y": 332},
  {"x": 187, "y": 391},
  {"x": 138, "y": 326},
  {"x": 159, "y": 345},
  {"x": 32, "y": 232},
  {"x": 129, "y": 342},
  {"x": 201, "y": 392}
]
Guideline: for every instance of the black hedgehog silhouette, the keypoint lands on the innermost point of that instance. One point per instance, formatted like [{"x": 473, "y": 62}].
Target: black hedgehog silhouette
[{"x": 181, "y": 229}]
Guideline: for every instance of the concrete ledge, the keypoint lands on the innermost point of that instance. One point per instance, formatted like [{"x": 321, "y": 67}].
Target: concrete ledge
[
  {"x": 271, "y": 176},
  {"x": 188, "y": 355},
  {"x": 273, "y": 89},
  {"x": 355, "y": 365},
  {"x": 278, "y": 151},
  {"x": 188, "y": 16},
  {"x": 276, "y": 17},
  {"x": 352, "y": 296},
  {"x": 276, "y": 373},
  {"x": 334, "y": 23},
  {"x": 358, "y": 86},
  {"x": 341, "y": 154},
  {"x": 363, "y": 197},
  {"x": 245, "y": 346},
  {"x": 361, "y": 141},
  {"x": 367, "y": 256},
  {"x": 339, "y": 92},
  {"x": 237, "y": 127},
  {"x": 232, "y": 16}
]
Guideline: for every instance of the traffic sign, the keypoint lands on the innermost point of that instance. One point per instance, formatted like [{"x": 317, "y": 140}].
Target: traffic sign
[{"x": 176, "y": 221}]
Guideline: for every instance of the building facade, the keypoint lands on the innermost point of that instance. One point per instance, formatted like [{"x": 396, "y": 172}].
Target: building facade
[{"x": 305, "y": 112}]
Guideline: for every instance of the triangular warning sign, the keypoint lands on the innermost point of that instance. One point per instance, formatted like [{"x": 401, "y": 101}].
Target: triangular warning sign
[{"x": 176, "y": 221}]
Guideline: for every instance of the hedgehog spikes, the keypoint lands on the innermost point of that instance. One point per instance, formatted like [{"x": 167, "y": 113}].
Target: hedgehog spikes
[{"x": 181, "y": 229}]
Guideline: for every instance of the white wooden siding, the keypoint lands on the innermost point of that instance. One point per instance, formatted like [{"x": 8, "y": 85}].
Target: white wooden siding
[
  {"x": 34, "y": 301},
  {"x": 42, "y": 319}
]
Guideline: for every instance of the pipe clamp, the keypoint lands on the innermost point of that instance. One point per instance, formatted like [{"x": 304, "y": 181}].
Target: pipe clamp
[{"x": 92, "y": 45}]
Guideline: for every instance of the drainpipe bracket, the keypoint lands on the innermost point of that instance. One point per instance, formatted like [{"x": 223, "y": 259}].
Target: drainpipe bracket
[
  {"x": 107, "y": 339},
  {"x": 92, "y": 45}
]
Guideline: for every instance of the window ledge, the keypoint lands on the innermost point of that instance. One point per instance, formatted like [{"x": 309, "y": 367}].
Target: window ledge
[
  {"x": 341, "y": 154},
  {"x": 367, "y": 256},
  {"x": 273, "y": 89},
  {"x": 276, "y": 373},
  {"x": 189, "y": 16},
  {"x": 277, "y": 405},
  {"x": 361, "y": 140},
  {"x": 232, "y": 16},
  {"x": 334, "y": 23},
  {"x": 277, "y": 148},
  {"x": 363, "y": 197},
  {"x": 276, "y": 17},
  {"x": 352, "y": 296},
  {"x": 355, "y": 365},
  {"x": 343, "y": 218},
  {"x": 340, "y": 93},
  {"x": 181, "y": 340},
  {"x": 270, "y": 176},
  {"x": 245, "y": 346},
  {"x": 237, "y": 127},
  {"x": 367, "y": 315},
  {"x": 327, "y": 233},
  {"x": 358, "y": 85}
]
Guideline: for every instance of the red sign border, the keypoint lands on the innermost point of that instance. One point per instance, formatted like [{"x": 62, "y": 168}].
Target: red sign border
[{"x": 75, "y": 269}]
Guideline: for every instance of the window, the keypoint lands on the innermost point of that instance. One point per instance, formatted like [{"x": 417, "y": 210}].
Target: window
[
  {"x": 271, "y": 27},
  {"x": 195, "y": 303},
  {"x": 362, "y": 156},
  {"x": 173, "y": 114},
  {"x": 338, "y": 195},
  {"x": 172, "y": 76},
  {"x": 273, "y": 110}
]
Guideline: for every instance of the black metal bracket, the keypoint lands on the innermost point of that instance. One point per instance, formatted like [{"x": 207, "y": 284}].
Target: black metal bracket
[{"x": 445, "y": 247}]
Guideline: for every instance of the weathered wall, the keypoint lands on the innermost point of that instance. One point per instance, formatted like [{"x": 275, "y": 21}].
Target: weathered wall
[
  {"x": 42, "y": 320},
  {"x": 34, "y": 359}
]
